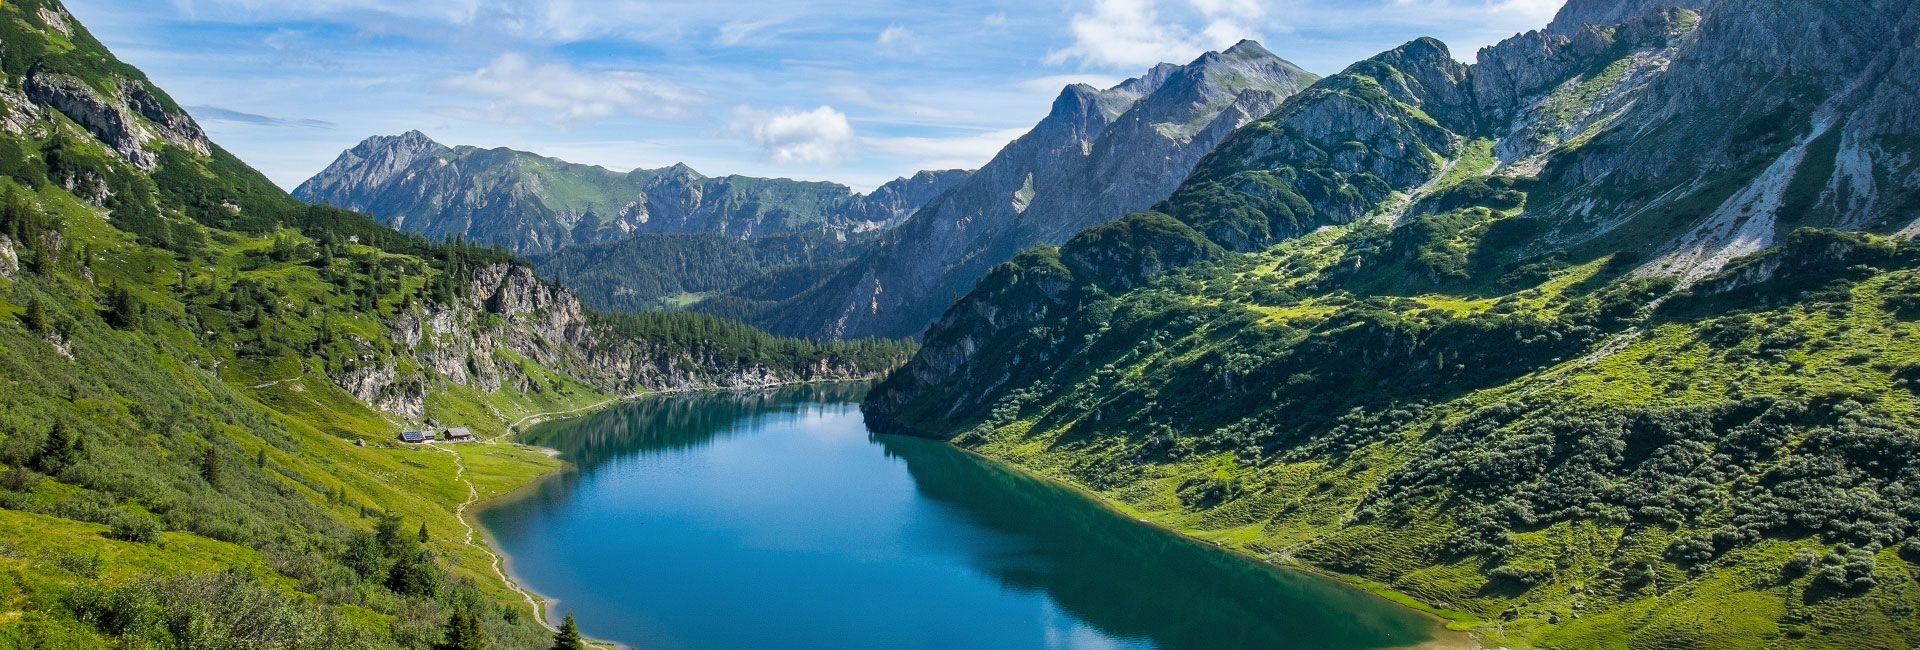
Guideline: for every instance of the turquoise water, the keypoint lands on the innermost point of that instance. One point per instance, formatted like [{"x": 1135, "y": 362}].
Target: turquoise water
[{"x": 775, "y": 520}]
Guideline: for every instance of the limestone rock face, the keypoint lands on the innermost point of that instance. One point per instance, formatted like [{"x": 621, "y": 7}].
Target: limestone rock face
[
  {"x": 1097, "y": 155},
  {"x": 9, "y": 260},
  {"x": 1610, "y": 12},
  {"x": 124, "y": 121},
  {"x": 511, "y": 315}
]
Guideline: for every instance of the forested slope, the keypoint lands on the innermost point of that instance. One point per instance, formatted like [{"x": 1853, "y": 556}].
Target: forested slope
[
  {"x": 1604, "y": 341},
  {"x": 202, "y": 377}
]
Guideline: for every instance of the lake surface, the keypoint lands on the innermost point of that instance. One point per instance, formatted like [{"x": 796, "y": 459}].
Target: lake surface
[{"x": 775, "y": 520}]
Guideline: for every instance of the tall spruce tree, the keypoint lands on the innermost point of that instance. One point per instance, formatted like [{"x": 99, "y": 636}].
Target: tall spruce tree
[
  {"x": 61, "y": 450},
  {"x": 568, "y": 638},
  {"x": 463, "y": 633}
]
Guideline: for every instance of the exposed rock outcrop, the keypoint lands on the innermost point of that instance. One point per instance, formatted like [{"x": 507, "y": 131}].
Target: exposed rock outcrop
[
  {"x": 125, "y": 121},
  {"x": 1097, "y": 155},
  {"x": 9, "y": 260},
  {"x": 515, "y": 331}
]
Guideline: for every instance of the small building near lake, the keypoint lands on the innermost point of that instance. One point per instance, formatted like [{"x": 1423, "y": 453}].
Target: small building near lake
[
  {"x": 415, "y": 436},
  {"x": 457, "y": 434}
]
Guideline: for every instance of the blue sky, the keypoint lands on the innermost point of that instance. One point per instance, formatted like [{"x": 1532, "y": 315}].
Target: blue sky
[{"x": 854, "y": 92}]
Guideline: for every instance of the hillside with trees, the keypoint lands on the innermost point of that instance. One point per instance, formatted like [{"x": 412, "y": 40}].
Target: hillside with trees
[
  {"x": 1603, "y": 341},
  {"x": 203, "y": 378}
]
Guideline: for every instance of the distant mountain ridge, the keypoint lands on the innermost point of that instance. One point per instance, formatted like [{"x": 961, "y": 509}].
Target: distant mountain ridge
[
  {"x": 1097, "y": 155},
  {"x": 536, "y": 204}
]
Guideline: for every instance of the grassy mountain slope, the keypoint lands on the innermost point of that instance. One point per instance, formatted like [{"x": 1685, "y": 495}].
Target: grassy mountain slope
[
  {"x": 1439, "y": 329},
  {"x": 203, "y": 375}
]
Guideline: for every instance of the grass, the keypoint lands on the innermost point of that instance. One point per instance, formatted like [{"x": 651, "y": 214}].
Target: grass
[{"x": 1302, "y": 509}]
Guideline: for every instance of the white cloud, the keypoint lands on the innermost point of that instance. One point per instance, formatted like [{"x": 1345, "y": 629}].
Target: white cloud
[
  {"x": 1133, "y": 33},
  {"x": 895, "y": 34},
  {"x": 731, "y": 33},
  {"x": 996, "y": 20},
  {"x": 896, "y": 39},
  {"x": 821, "y": 136},
  {"x": 527, "y": 91},
  {"x": 964, "y": 152}
]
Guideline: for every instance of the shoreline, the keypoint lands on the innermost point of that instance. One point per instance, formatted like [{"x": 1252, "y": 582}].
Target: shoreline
[
  {"x": 1472, "y": 640},
  {"x": 502, "y": 561},
  {"x": 1464, "y": 639}
]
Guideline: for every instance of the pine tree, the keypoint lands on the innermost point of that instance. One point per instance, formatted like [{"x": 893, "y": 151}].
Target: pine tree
[
  {"x": 19, "y": 219},
  {"x": 62, "y": 449},
  {"x": 568, "y": 638},
  {"x": 423, "y": 532},
  {"x": 210, "y": 467},
  {"x": 463, "y": 633},
  {"x": 37, "y": 317},
  {"x": 387, "y": 532},
  {"x": 123, "y": 309}
]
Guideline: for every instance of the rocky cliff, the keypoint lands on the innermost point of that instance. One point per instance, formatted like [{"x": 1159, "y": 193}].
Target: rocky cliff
[
  {"x": 1097, "y": 155},
  {"x": 510, "y": 319}
]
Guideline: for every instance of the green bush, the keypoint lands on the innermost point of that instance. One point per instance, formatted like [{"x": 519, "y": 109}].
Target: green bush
[{"x": 137, "y": 528}]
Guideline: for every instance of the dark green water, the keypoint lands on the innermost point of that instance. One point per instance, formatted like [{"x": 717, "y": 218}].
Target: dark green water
[{"x": 775, "y": 520}]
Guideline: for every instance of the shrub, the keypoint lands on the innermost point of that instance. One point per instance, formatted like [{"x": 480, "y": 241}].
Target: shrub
[
  {"x": 1802, "y": 561},
  {"x": 134, "y": 528}
]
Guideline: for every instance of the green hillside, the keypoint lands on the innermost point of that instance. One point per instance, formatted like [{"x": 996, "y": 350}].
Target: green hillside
[
  {"x": 1457, "y": 342},
  {"x": 204, "y": 376}
]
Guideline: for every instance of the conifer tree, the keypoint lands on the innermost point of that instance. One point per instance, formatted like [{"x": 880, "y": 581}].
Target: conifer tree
[
  {"x": 210, "y": 467},
  {"x": 61, "y": 450},
  {"x": 37, "y": 317},
  {"x": 463, "y": 633},
  {"x": 568, "y": 638}
]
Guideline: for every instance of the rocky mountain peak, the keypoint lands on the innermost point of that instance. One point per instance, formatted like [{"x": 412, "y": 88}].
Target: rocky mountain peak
[
  {"x": 1609, "y": 12},
  {"x": 1248, "y": 48},
  {"x": 1098, "y": 155},
  {"x": 1075, "y": 101},
  {"x": 411, "y": 143},
  {"x": 1151, "y": 81},
  {"x": 679, "y": 173}
]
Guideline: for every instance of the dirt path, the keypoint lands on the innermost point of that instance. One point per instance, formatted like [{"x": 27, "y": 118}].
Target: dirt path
[
  {"x": 277, "y": 381},
  {"x": 473, "y": 496},
  {"x": 566, "y": 412},
  {"x": 460, "y": 514}
]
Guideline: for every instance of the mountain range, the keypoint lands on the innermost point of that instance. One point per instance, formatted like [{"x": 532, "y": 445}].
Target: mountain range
[
  {"x": 1604, "y": 340},
  {"x": 844, "y": 265},
  {"x": 534, "y": 204},
  {"x": 1097, "y": 155}
]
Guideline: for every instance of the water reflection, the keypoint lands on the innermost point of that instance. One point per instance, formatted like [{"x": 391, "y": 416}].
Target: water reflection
[
  {"x": 678, "y": 422},
  {"x": 1129, "y": 579},
  {"x": 773, "y": 519}
]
